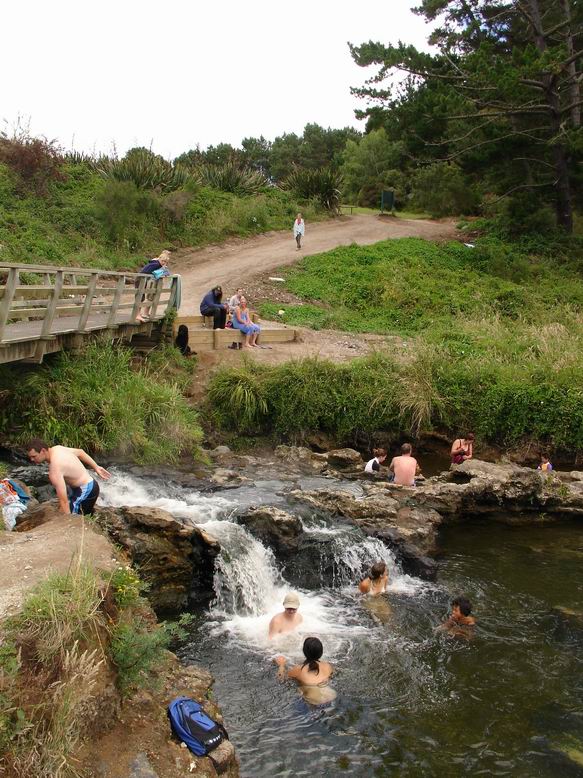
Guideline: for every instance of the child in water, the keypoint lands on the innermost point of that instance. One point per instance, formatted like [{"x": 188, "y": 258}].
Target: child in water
[
  {"x": 460, "y": 622},
  {"x": 376, "y": 582}
]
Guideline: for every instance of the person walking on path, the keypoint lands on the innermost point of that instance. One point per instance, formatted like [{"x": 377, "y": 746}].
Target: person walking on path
[
  {"x": 299, "y": 230},
  {"x": 212, "y": 305},
  {"x": 77, "y": 491}
]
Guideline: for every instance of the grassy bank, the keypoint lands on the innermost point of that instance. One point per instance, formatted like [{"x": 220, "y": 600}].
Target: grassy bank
[
  {"x": 506, "y": 403},
  {"x": 103, "y": 401},
  {"x": 74, "y": 634},
  {"x": 82, "y": 219},
  {"x": 411, "y": 285}
]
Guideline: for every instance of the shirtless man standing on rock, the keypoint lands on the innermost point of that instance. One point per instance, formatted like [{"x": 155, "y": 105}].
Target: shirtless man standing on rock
[
  {"x": 77, "y": 491},
  {"x": 289, "y": 619}
]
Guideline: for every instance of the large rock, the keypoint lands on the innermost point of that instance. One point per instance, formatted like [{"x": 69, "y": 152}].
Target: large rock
[
  {"x": 37, "y": 514},
  {"x": 176, "y": 561},
  {"x": 411, "y": 531},
  {"x": 293, "y": 454},
  {"x": 275, "y": 528},
  {"x": 345, "y": 459}
]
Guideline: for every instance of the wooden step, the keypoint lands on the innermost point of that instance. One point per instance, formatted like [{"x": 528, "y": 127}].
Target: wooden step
[{"x": 206, "y": 339}]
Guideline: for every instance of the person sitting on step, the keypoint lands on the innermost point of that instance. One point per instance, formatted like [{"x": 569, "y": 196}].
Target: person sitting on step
[
  {"x": 212, "y": 305},
  {"x": 242, "y": 321}
]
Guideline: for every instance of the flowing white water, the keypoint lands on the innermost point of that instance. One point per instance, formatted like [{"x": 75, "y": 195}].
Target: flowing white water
[{"x": 248, "y": 585}]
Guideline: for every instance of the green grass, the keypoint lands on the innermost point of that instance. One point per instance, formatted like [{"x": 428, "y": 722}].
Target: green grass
[
  {"x": 411, "y": 285},
  {"x": 66, "y": 642},
  {"x": 505, "y": 399},
  {"x": 99, "y": 402},
  {"x": 375, "y": 212},
  {"x": 90, "y": 222}
]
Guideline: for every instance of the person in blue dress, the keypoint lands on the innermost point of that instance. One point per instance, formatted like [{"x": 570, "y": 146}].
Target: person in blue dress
[{"x": 242, "y": 321}]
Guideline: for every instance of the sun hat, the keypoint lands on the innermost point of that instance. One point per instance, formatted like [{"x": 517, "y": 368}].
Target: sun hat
[{"x": 291, "y": 600}]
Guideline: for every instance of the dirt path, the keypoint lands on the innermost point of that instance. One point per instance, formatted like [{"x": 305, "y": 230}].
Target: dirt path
[
  {"x": 28, "y": 557},
  {"x": 238, "y": 262}
]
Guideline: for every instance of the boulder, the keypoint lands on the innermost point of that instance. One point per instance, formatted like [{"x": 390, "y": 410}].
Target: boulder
[
  {"x": 219, "y": 451},
  {"x": 228, "y": 479},
  {"x": 37, "y": 514},
  {"x": 175, "y": 560},
  {"x": 293, "y": 455},
  {"x": 377, "y": 512},
  {"x": 275, "y": 528},
  {"x": 345, "y": 459}
]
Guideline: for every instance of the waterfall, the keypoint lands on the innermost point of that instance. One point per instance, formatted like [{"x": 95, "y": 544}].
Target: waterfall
[{"x": 249, "y": 587}]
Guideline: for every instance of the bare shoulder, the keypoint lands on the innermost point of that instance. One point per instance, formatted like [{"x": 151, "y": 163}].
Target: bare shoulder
[{"x": 364, "y": 586}]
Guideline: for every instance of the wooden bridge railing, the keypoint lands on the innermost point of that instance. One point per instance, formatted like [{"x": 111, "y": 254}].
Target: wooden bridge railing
[{"x": 39, "y": 302}]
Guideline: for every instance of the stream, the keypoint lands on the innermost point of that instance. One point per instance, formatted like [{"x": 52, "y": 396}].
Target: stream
[{"x": 411, "y": 702}]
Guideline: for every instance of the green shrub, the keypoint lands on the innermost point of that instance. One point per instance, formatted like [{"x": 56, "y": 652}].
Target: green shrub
[
  {"x": 126, "y": 586},
  {"x": 138, "y": 649},
  {"x": 145, "y": 170},
  {"x": 230, "y": 177},
  {"x": 49, "y": 660},
  {"x": 96, "y": 401},
  {"x": 125, "y": 213},
  {"x": 441, "y": 189},
  {"x": 322, "y": 184}
]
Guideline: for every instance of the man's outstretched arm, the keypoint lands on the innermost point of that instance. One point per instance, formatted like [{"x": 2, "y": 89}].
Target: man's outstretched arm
[{"x": 87, "y": 460}]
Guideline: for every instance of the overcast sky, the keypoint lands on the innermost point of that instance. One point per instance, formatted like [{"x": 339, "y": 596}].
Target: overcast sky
[{"x": 175, "y": 73}]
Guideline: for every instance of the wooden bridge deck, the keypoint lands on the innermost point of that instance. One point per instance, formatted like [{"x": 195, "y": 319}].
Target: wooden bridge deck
[{"x": 72, "y": 305}]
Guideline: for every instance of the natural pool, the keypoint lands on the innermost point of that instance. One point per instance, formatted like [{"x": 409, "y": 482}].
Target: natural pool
[{"x": 410, "y": 702}]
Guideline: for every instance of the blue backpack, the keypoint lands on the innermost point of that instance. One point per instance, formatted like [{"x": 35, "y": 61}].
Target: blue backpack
[{"x": 192, "y": 726}]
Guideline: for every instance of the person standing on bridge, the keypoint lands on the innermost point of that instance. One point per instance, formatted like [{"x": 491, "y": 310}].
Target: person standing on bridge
[
  {"x": 77, "y": 491},
  {"x": 299, "y": 230}
]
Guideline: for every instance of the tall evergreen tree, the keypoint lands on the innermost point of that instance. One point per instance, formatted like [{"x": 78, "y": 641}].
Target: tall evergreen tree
[{"x": 507, "y": 76}]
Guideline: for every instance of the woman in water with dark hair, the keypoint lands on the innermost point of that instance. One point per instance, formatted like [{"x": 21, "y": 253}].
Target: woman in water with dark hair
[{"x": 313, "y": 675}]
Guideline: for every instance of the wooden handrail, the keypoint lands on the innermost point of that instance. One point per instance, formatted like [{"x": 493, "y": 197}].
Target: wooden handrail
[{"x": 86, "y": 271}]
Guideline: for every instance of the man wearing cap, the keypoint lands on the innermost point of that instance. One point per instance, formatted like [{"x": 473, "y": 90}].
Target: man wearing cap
[
  {"x": 289, "y": 619},
  {"x": 212, "y": 305}
]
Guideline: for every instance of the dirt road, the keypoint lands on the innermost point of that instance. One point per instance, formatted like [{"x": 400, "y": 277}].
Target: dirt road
[{"x": 236, "y": 262}]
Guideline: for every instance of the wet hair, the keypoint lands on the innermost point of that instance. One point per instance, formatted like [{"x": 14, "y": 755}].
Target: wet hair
[
  {"x": 379, "y": 452},
  {"x": 36, "y": 444},
  {"x": 377, "y": 570},
  {"x": 182, "y": 336},
  {"x": 313, "y": 650},
  {"x": 406, "y": 448},
  {"x": 463, "y": 604}
]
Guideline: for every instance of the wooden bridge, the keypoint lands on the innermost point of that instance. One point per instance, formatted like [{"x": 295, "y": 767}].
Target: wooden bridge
[{"x": 44, "y": 309}]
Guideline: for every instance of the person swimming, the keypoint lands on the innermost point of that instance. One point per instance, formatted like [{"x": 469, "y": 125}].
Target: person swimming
[
  {"x": 376, "y": 582},
  {"x": 289, "y": 619},
  {"x": 313, "y": 675},
  {"x": 460, "y": 622}
]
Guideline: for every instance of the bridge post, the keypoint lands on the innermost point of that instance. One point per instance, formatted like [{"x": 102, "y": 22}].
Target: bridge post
[
  {"x": 87, "y": 304},
  {"x": 49, "y": 316},
  {"x": 139, "y": 294},
  {"x": 156, "y": 300},
  {"x": 9, "y": 289},
  {"x": 121, "y": 282}
]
